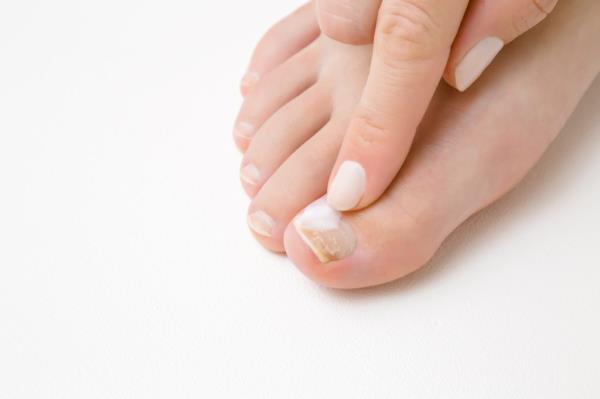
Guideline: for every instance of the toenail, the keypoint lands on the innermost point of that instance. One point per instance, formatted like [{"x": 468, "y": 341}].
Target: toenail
[
  {"x": 250, "y": 79},
  {"x": 244, "y": 130},
  {"x": 250, "y": 174},
  {"x": 348, "y": 186},
  {"x": 261, "y": 223},
  {"x": 326, "y": 234},
  {"x": 476, "y": 61}
]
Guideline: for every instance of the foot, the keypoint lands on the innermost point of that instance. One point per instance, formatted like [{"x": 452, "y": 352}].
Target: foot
[{"x": 470, "y": 150}]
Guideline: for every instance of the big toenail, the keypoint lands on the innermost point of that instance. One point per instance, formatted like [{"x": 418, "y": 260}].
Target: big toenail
[
  {"x": 244, "y": 130},
  {"x": 261, "y": 223},
  {"x": 250, "y": 79},
  {"x": 326, "y": 234},
  {"x": 348, "y": 186},
  {"x": 250, "y": 174}
]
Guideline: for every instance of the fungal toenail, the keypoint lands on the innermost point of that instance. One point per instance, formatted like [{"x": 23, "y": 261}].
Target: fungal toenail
[{"x": 323, "y": 230}]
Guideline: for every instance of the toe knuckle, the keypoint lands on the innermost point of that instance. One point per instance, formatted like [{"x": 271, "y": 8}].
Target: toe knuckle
[
  {"x": 406, "y": 30},
  {"x": 417, "y": 232}
]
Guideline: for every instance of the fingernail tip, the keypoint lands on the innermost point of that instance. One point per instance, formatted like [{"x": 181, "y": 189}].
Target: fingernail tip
[
  {"x": 476, "y": 61},
  {"x": 348, "y": 187}
]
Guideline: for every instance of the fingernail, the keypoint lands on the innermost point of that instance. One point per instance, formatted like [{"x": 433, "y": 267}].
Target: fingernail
[
  {"x": 261, "y": 223},
  {"x": 326, "y": 234},
  {"x": 244, "y": 130},
  {"x": 476, "y": 61},
  {"x": 348, "y": 186},
  {"x": 250, "y": 79},
  {"x": 250, "y": 174}
]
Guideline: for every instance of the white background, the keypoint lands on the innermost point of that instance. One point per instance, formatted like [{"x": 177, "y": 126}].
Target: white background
[{"x": 126, "y": 268}]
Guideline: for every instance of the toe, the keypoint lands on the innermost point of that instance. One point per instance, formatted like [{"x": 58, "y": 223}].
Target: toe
[
  {"x": 283, "y": 134},
  {"x": 300, "y": 180},
  {"x": 436, "y": 190},
  {"x": 279, "y": 87},
  {"x": 350, "y": 251},
  {"x": 348, "y": 21},
  {"x": 281, "y": 42}
]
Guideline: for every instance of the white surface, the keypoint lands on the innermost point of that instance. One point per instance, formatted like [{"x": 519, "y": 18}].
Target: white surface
[{"x": 126, "y": 270}]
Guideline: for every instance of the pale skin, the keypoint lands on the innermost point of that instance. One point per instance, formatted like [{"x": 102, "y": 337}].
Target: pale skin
[
  {"x": 305, "y": 99},
  {"x": 415, "y": 41}
]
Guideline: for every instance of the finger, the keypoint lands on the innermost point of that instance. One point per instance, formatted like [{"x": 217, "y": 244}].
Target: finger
[
  {"x": 282, "y": 41},
  {"x": 348, "y": 21},
  {"x": 487, "y": 27},
  {"x": 411, "y": 49}
]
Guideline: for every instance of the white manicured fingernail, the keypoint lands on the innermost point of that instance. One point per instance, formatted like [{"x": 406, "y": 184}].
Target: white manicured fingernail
[
  {"x": 261, "y": 223},
  {"x": 326, "y": 234},
  {"x": 250, "y": 174},
  {"x": 250, "y": 79},
  {"x": 476, "y": 61},
  {"x": 348, "y": 186},
  {"x": 244, "y": 130}
]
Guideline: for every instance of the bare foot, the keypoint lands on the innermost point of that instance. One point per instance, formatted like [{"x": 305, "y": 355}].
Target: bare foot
[{"x": 471, "y": 149}]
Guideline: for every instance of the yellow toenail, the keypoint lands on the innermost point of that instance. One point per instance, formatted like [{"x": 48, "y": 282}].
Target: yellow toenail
[{"x": 325, "y": 233}]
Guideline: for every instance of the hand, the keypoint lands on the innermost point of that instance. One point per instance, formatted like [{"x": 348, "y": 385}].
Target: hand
[
  {"x": 486, "y": 27},
  {"x": 414, "y": 42}
]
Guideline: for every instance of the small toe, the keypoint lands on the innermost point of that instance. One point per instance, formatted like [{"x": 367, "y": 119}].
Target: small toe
[
  {"x": 282, "y": 85},
  {"x": 281, "y": 42},
  {"x": 286, "y": 131},
  {"x": 300, "y": 180}
]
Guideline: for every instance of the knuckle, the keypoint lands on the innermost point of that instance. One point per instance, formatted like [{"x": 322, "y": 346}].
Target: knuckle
[
  {"x": 545, "y": 6},
  {"x": 340, "y": 20},
  {"x": 369, "y": 134},
  {"x": 406, "y": 30},
  {"x": 534, "y": 12}
]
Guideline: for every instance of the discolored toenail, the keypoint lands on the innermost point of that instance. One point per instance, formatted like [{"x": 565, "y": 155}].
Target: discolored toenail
[{"x": 326, "y": 234}]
